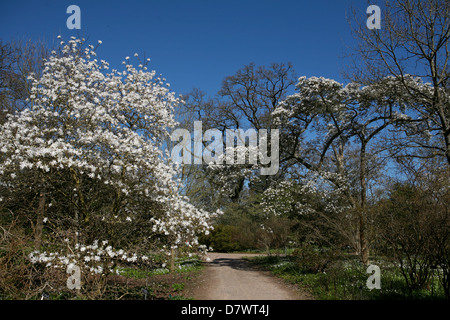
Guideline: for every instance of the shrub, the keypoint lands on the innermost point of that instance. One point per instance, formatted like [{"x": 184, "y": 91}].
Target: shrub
[
  {"x": 221, "y": 239},
  {"x": 310, "y": 259}
]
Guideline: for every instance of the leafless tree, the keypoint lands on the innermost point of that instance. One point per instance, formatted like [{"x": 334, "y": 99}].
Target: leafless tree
[
  {"x": 245, "y": 100},
  {"x": 413, "y": 41},
  {"x": 18, "y": 59}
]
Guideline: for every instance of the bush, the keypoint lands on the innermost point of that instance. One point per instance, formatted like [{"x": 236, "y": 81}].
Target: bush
[
  {"x": 310, "y": 259},
  {"x": 222, "y": 239},
  {"x": 414, "y": 228}
]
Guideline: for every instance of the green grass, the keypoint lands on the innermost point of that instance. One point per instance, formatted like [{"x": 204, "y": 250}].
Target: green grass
[
  {"x": 178, "y": 287},
  {"x": 169, "y": 287},
  {"x": 346, "y": 280},
  {"x": 141, "y": 273},
  {"x": 181, "y": 266}
]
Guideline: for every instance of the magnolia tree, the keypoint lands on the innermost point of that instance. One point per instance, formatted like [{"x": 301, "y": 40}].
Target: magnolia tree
[
  {"x": 296, "y": 195},
  {"x": 322, "y": 121},
  {"x": 90, "y": 125}
]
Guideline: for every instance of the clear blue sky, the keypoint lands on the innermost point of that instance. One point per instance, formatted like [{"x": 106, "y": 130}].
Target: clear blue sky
[{"x": 196, "y": 43}]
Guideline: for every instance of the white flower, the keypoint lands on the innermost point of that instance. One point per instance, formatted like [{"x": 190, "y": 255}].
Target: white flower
[
  {"x": 81, "y": 140},
  {"x": 33, "y": 259}
]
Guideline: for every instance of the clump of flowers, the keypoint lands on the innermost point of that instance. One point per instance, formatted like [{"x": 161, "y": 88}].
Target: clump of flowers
[{"x": 93, "y": 259}]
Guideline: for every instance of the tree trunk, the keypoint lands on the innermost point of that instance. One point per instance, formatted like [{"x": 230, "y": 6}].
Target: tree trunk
[
  {"x": 442, "y": 111},
  {"x": 39, "y": 221},
  {"x": 364, "y": 250},
  {"x": 172, "y": 260},
  {"x": 447, "y": 144}
]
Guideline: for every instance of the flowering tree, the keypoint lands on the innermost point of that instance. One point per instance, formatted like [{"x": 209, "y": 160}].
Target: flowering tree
[
  {"x": 92, "y": 132},
  {"x": 320, "y": 121}
]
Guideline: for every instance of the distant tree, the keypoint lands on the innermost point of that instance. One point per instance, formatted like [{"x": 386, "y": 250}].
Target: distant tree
[
  {"x": 252, "y": 94},
  {"x": 18, "y": 60},
  {"x": 245, "y": 100}
]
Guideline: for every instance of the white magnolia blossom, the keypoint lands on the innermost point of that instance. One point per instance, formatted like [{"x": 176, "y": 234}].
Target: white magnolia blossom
[
  {"x": 107, "y": 125},
  {"x": 294, "y": 197},
  {"x": 323, "y": 114},
  {"x": 93, "y": 259}
]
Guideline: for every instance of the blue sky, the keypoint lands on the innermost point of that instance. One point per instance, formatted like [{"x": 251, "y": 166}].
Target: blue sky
[{"x": 196, "y": 43}]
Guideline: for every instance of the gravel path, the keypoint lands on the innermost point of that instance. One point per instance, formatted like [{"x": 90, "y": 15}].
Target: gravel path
[{"x": 229, "y": 277}]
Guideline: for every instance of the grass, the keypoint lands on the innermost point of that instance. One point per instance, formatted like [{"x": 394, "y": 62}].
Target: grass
[
  {"x": 160, "y": 283},
  {"x": 345, "y": 279},
  {"x": 182, "y": 265}
]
